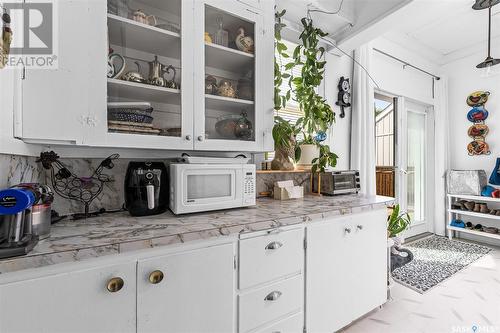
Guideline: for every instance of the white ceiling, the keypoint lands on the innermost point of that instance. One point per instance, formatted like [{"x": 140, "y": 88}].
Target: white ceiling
[
  {"x": 446, "y": 30},
  {"x": 354, "y": 15}
]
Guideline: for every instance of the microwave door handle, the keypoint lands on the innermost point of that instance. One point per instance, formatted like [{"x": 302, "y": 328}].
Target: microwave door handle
[{"x": 150, "y": 189}]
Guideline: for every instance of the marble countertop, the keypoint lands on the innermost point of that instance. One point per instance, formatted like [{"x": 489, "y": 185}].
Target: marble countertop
[{"x": 120, "y": 232}]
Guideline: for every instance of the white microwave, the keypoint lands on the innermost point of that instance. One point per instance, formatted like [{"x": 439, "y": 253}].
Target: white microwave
[{"x": 205, "y": 187}]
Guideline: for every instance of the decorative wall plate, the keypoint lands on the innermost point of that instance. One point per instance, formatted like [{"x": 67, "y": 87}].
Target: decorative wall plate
[
  {"x": 477, "y": 114},
  {"x": 478, "y": 98},
  {"x": 478, "y": 130},
  {"x": 478, "y": 147}
]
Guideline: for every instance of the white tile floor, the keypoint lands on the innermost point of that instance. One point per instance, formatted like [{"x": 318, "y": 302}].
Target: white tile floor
[{"x": 468, "y": 302}]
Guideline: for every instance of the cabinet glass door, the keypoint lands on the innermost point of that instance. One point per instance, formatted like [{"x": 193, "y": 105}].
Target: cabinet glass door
[
  {"x": 148, "y": 84},
  {"x": 227, "y": 60}
]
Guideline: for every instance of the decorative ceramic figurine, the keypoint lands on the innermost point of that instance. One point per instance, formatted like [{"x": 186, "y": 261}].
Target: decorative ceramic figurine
[
  {"x": 478, "y": 130},
  {"x": 244, "y": 43},
  {"x": 478, "y": 147},
  {"x": 141, "y": 17},
  {"x": 478, "y": 98},
  {"x": 226, "y": 89},
  {"x": 243, "y": 129},
  {"x": 211, "y": 85},
  {"x": 208, "y": 38},
  {"x": 477, "y": 114}
]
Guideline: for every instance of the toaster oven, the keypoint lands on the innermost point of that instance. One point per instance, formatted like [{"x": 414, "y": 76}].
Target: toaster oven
[{"x": 338, "y": 182}]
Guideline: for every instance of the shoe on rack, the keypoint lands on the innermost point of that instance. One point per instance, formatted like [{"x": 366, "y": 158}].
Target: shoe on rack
[
  {"x": 469, "y": 205},
  {"x": 457, "y": 224},
  {"x": 484, "y": 208}
]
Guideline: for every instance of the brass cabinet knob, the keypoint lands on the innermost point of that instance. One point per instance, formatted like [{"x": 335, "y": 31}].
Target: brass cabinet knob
[
  {"x": 115, "y": 284},
  {"x": 156, "y": 277}
]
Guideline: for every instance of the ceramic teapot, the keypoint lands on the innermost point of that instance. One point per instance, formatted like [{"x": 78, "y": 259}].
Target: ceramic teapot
[{"x": 141, "y": 17}]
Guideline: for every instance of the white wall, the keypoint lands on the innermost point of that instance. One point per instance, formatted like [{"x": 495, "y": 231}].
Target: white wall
[
  {"x": 339, "y": 138},
  {"x": 464, "y": 78},
  {"x": 394, "y": 78}
]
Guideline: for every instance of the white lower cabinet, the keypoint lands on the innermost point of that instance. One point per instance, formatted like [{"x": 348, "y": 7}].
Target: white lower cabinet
[
  {"x": 72, "y": 300},
  {"x": 269, "y": 303},
  {"x": 192, "y": 288},
  {"x": 291, "y": 324},
  {"x": 271, "y": 281},
  {"x": 346, "y": 269},
  {"x": 187, "y": 292}
]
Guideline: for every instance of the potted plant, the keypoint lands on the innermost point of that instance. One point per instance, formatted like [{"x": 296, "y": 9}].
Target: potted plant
[
  {"x": 318, "y": 114},
  {"x": 397, "y": 223},
  {"x": 284, "y": 134}
]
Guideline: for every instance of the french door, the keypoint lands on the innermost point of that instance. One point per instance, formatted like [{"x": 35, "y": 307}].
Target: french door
[{"x": 415, "y": 155}]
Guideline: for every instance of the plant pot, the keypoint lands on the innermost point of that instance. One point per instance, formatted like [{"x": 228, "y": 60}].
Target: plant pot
[
  {"x": 308, "y": 153},
  {"x": 282, "y": 160}
]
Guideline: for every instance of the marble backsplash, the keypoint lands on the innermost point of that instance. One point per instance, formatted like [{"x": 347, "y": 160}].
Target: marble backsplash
[
  {"x": 265, "y": 181},
  {"x": 16, "y": 169}
]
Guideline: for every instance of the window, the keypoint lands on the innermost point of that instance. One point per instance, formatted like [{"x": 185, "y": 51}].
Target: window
[{"x": 291, "y": 112}]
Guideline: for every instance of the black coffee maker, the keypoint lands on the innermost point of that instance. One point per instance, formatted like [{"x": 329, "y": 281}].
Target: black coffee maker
[{"x": 146, "y": 188}]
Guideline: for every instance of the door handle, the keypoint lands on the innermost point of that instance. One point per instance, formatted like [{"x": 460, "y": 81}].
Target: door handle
[
  {"x": 273, "y": 296},
  {"x": 274, "y": 245}
]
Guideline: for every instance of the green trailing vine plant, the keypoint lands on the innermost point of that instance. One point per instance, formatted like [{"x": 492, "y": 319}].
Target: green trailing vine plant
[
  {"x": 280, "y": 69},
  {"x": 318, "y": 114},
  {"x": 284, "y": 132}
]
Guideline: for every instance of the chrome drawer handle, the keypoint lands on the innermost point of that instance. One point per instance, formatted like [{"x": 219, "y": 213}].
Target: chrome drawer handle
[
  {"x": 347, "y": 230},
  {"x": 274, "y": 246},
  {"x": 273, "y": 296},
  {"x": 360, "y": 227}
]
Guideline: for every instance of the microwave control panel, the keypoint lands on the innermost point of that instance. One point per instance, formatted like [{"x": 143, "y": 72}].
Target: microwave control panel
[{"x": 249, "y": 184}]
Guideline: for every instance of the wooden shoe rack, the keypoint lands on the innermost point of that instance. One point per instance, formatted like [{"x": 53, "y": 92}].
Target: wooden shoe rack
[{"x": 458, "y": 213}]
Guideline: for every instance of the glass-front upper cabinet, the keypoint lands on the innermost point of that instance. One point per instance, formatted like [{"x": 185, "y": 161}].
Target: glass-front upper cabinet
[
  {"x": 149, "y": 74},
  {"x": 228, "y": 37}
]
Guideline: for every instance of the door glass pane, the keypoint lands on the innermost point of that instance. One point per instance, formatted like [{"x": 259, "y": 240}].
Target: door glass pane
[
  {"x": 208, "y": 186},
  {"x": 416, "y": 165},
  {"x": 229, "y": 76},
  {"x": 144, "y": 67},
  {"x": 385, "y": 130}
]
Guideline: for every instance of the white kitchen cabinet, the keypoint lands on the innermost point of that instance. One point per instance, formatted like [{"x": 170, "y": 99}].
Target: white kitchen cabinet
[
  {"x": 270, "y": 302},
  {"x": 72, "y": 300},
  {"x": 370, "y": 251},
  {"x": 187, "y": 292},
  {"x": 55, "y": 106},
  {"x": 345, "y": 269},
  {"x": 269, "y": 257},
  {"x": 69, "y": 105},
  {"x": 241, "y": 72}
]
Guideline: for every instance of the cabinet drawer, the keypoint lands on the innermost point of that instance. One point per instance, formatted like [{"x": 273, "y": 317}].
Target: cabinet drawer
[
  {"x": 269, "y": 257},
  {"x": 269, "y": 303},
  {"x": 292, "y": 324}
]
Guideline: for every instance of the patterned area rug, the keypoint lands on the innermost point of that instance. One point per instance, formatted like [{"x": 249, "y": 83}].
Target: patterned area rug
[{"x": 435, "y": 260}]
